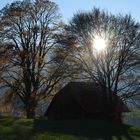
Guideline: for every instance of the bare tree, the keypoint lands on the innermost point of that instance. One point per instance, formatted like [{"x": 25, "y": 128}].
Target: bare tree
[
  {"x": 6, "y": 52},
  {"x": 115, "y": 68},
  {"x": 30, "y": 28}
]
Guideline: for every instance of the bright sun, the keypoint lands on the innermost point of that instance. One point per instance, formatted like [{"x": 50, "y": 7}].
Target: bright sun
[{"x": 99, "y": 44}]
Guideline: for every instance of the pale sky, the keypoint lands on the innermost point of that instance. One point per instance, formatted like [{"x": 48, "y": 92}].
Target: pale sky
[{"x": 69, "y": 7}]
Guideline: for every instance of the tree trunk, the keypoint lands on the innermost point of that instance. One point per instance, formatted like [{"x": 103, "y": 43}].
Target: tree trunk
[{"x": 30, "y": 108}]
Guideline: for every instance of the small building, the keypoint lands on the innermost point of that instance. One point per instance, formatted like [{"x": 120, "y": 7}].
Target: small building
[{"x": 83, "y": 100}]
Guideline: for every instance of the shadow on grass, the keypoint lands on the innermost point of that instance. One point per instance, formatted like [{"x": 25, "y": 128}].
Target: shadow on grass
[
  {"x": 89, "y": 129},
  {"x": 28, "y": 129},
  {"x": 6, "y": 120},
  {"x": 12, "y": 128}
]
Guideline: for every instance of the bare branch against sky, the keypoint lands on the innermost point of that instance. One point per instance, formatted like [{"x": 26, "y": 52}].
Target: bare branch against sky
[{"x": 68, "y": 7}]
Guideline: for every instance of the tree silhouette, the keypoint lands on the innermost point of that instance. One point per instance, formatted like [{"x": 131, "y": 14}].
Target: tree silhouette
[
  {"x": 116, "y": 67},
  {"x": 30, "y": 28}
]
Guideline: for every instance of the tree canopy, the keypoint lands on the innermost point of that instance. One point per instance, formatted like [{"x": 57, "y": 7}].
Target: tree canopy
[
  {"x": 30, "y": 28},
  {"x": 115, "y": 67}
]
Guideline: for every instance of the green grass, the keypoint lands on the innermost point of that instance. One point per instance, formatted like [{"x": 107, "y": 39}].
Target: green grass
[{"x": 28, "y": 129}]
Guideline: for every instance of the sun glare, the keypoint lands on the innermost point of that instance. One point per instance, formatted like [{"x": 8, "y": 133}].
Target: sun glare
[{"x": 99, "y": 44}]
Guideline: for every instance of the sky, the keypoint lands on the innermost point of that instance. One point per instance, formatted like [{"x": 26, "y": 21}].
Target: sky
[{"x": 70, "y": 7}]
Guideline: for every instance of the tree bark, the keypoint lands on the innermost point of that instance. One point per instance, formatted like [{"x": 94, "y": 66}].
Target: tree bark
[{"x": 30, "y": 108}]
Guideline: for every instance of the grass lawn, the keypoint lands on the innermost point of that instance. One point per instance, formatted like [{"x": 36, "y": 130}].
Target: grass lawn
[{"x": 28, "y": 129}]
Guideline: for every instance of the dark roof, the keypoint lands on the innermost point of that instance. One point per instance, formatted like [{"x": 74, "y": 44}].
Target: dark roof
[{"x": 87, "y": 95}]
